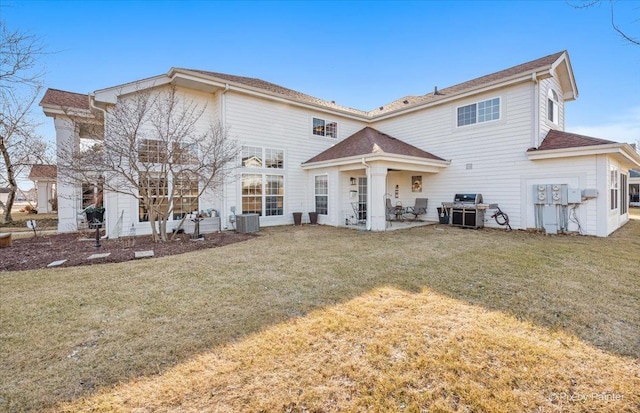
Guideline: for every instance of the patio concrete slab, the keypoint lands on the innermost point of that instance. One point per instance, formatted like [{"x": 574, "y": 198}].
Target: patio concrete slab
[
  {"x": 96, "y": 256},
  {"x": 143, "y": 254},
  {"x": 56, "y": 263}
]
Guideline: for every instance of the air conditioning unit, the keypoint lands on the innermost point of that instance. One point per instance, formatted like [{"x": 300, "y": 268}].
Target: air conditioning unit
[{"x": 247, "y": 223}]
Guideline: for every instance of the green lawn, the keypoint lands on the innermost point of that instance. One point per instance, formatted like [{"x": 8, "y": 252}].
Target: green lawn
[{"x": 326, "y": 319}]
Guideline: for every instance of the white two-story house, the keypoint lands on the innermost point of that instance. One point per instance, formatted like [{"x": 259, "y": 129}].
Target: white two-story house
[{"x": 501, "y": 135}]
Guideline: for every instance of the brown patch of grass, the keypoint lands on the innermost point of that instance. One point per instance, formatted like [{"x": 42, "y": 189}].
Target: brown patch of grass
[
  {"x": 44, "y": 222},
  {"x": 333, "y": 319},
  {"x": 390, "y": 350}
]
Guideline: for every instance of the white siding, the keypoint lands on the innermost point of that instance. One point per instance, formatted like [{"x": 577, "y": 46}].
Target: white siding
[
  {"x": 488, "y": 157},
  {"x": 545, "y": 123},
  {"x": 614, "y": 219},
  {"x": 268, "y": 124},
  {"x": 122, "y": 209}
]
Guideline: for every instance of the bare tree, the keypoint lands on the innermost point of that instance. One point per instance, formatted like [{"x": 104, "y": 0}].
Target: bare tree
[
  {"x": 154, "y": 151},
  {"x": 20, "y": 85},
  {"x": 622, "y": 31}
]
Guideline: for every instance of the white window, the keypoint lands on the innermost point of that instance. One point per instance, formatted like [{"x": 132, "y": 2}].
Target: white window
[
  {"x": 326, "y": 128},
  {"x": 614, "y": 188},
  {"x": 552, "y": 106},
  {"x": 273, "y": 158},
  {"x": 257, "y": 157},
  {"x": 185, "y": 195},
  {"x": 263, "y": 194},
  {"x": 251, "y": 157},
  {"x": 155, "y": 188},
  {"x": 152, "y": 151},
  {"x": 624, "y": 194},
  {"x": 322, "y": 194},
  {"x": 479, "y": 112}
]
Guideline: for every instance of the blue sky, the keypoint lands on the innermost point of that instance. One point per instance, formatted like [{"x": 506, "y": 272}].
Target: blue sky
[{"x": 360, "y": 54}]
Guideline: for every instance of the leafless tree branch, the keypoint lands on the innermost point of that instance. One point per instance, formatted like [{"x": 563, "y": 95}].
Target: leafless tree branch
[
  {"x": 154, "y": 147},
  {"x": 585, "y": 4},
  {"x": 20, "y": 85}
]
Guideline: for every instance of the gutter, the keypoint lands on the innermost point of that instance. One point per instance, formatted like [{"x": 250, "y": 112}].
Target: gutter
[
  {"x": 92, "y": 98},
  {"x": 623, "y": 149},
  {"x": 536, "y": 112}
]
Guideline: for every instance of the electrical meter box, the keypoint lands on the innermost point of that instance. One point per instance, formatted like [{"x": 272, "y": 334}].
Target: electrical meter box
[
  {"x": 574, "y": 196},
  {"x": 540, "y": 195},
  {"x": 551, "y": 194},
  {"x": 559, "y": 194}
]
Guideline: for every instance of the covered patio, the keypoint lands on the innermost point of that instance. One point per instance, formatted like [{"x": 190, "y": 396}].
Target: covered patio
[{"x": 373, "y": 169}]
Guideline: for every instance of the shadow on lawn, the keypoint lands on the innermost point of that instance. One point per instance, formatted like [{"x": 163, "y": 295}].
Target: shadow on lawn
[{"x": 95, "y": 329}]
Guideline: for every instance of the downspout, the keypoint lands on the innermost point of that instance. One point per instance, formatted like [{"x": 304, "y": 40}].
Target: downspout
[
  {"x": 535, "y": 142},
  {"x": 223, "y": 124},
  {"x": 369, "y": 200}
]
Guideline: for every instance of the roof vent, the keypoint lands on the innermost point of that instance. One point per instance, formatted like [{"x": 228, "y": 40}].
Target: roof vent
[
  {"x": 381, "y": 107},
  {"x": 406, "y": 102},
  {"x": 435, "y": 90},
  {"x": 333, "y": 101}
]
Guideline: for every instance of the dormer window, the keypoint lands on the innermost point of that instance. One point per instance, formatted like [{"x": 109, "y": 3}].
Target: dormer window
[{"x": 552, "y": 106}]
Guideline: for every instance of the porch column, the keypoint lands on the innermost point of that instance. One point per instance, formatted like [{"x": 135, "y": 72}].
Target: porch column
[
  {"x": 377, "y": 189},
  {"x": 67, "y": 193}
]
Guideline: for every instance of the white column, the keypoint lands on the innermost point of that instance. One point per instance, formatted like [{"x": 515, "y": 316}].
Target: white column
[
  {"x": 377, "y": 188},
  {"x": 67, "y": 192}
]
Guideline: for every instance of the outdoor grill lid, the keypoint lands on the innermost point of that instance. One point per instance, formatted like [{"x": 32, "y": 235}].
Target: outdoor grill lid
[{"x": 468, "y": 198}]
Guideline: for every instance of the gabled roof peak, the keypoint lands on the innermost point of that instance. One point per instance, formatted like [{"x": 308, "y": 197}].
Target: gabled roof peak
[{"x": 368, "y": 141}]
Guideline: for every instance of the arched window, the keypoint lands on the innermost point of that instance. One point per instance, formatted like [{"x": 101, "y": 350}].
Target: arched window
[{"x": 552, "y": 106}]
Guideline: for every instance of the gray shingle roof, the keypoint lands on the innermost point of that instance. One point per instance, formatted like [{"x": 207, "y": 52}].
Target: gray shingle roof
[
  {"x": 411, "y": 101},
  {"x": 278, "y": 90},
  {"x": 43, "y": 171},
  {"x": 65, "y": 99},
  {"x": 400, "y": 104},
  {"x": 76, "y": 100},
  {"x": 369, "y": 141},
  {"x": 556, "y": 139}
]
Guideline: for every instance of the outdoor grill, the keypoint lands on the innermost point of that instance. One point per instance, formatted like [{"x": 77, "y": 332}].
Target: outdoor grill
[{"x": 466, "y": 210}]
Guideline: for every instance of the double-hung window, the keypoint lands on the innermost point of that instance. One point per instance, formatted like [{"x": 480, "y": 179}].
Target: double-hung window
[
  {"x": 185, "y": 195},
  {"x": 156, "y": 189},
  {"x": 624, "y": 194},
  {"x": 614, "y": 188},
  {"x": 152, "y": 151},
  {"x": 326, "y": 128},
  {"x": 322, "y": 194},
  {"x": 479, "y": 112},
  {"x": 262, "y": 186}
]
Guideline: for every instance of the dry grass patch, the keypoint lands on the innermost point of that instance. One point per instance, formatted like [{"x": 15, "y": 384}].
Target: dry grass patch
[
  {"x": 473, "y": 305},
  {"x": 390, "y": 350},
  {"x": 44, "y": 222}
]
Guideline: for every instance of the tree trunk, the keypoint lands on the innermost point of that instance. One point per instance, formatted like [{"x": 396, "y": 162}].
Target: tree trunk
[
  {"x": 13, "y": 186},
  {"x": 152, "y": 222},
  {"x": 163, "y": 229}
]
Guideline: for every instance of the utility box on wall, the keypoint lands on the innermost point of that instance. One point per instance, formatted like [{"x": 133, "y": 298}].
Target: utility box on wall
[
  {"x": 551, "y": 206},
  {"x": 574, "y": 196}
]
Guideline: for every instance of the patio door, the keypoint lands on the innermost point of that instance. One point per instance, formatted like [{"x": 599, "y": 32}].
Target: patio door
[{"x": 362, "y": 198}]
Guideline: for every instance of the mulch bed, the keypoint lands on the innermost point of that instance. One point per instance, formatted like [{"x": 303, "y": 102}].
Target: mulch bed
[{"x": 38, "y": 252}]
